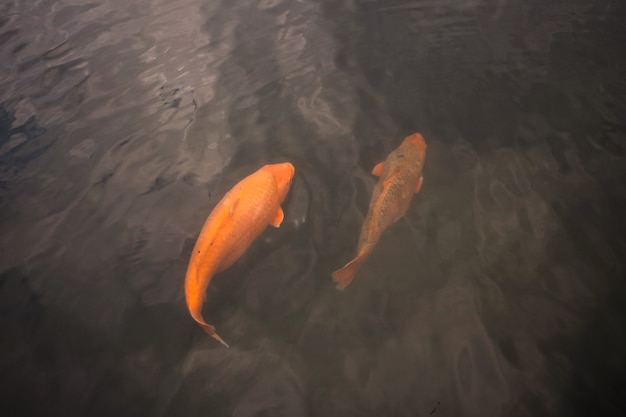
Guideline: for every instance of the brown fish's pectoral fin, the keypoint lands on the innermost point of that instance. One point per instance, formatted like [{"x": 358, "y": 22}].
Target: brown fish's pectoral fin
[
  {"x": 378, "y": 169},
  {"x": 419, "y": 185},
  {"x": 233, "y": 207},
  {"x": 278, "y": 218}
]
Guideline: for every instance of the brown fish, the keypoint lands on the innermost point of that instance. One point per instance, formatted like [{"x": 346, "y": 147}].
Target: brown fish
[
  {"x": 240, "y": 216},
  {"x": 400, "y": 176}
]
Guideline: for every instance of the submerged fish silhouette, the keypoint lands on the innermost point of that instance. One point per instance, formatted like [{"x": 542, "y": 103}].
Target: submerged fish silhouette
[
  {"x": 237, "y": 220},
  {"x": 400, "y": 176}
]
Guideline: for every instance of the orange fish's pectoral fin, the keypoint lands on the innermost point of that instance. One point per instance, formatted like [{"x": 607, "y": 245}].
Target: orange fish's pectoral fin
[
  {"x": 419, "y": 185},
  {"x": 233, "y": 207},
  {"x": 278, "y": 218},
  {"x": 344, "y": 276},
  {"x": 378, "y": 169}
]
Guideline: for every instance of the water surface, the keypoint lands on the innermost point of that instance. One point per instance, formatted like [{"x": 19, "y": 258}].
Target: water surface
[{"x": 500, "y": 293}]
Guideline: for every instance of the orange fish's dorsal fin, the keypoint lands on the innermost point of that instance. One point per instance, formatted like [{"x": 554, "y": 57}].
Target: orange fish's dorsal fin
[
  {"x": 419, "y": 185},
  {"x": 233, "y": 207},
  {"x": 278, "y": 218},
  {"x": 378, "y": 169}
]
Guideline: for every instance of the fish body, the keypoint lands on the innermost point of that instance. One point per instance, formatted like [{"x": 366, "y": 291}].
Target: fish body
[
  {"x": 400, "y": 176},
  {"x": 235, "y": 222}
]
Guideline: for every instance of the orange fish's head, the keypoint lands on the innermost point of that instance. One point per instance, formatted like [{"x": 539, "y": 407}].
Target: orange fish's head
[
  {"x": 417, "y": 140},
  {"x": 283, "y": 173}
]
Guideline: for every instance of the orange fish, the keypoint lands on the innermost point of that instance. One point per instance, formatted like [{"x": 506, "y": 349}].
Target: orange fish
[
  {"x": 400, "y": 176},
  {"x": 241, "y": 216}
]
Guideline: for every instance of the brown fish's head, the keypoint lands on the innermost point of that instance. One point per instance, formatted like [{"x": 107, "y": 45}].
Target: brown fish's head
[
  {"x": 283, "y": 173},
  {"x": 417, "y": 140}
]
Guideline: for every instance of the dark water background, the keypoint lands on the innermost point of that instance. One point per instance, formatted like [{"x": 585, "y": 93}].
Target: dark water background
[{"x": 500, "y": 293}]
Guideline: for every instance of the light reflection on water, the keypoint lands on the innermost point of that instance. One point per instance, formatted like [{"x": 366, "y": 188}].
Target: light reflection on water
[{"x": 499, "y": 293}]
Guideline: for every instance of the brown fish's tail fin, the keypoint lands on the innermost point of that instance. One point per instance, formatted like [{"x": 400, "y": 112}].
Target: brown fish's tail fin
[
  {"x": 210, "y": 330},
  {"x": 344, "y": 276}
]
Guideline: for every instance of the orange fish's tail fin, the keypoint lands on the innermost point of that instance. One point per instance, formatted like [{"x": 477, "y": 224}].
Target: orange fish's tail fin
[
  {"x": 344, "y": 276},
  {"x": 210, "y": 330}
]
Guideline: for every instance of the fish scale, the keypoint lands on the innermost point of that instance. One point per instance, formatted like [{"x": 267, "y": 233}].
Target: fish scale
[
  {"x": 239, "y": 217},
  {"x": 400, "y": 176}
]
